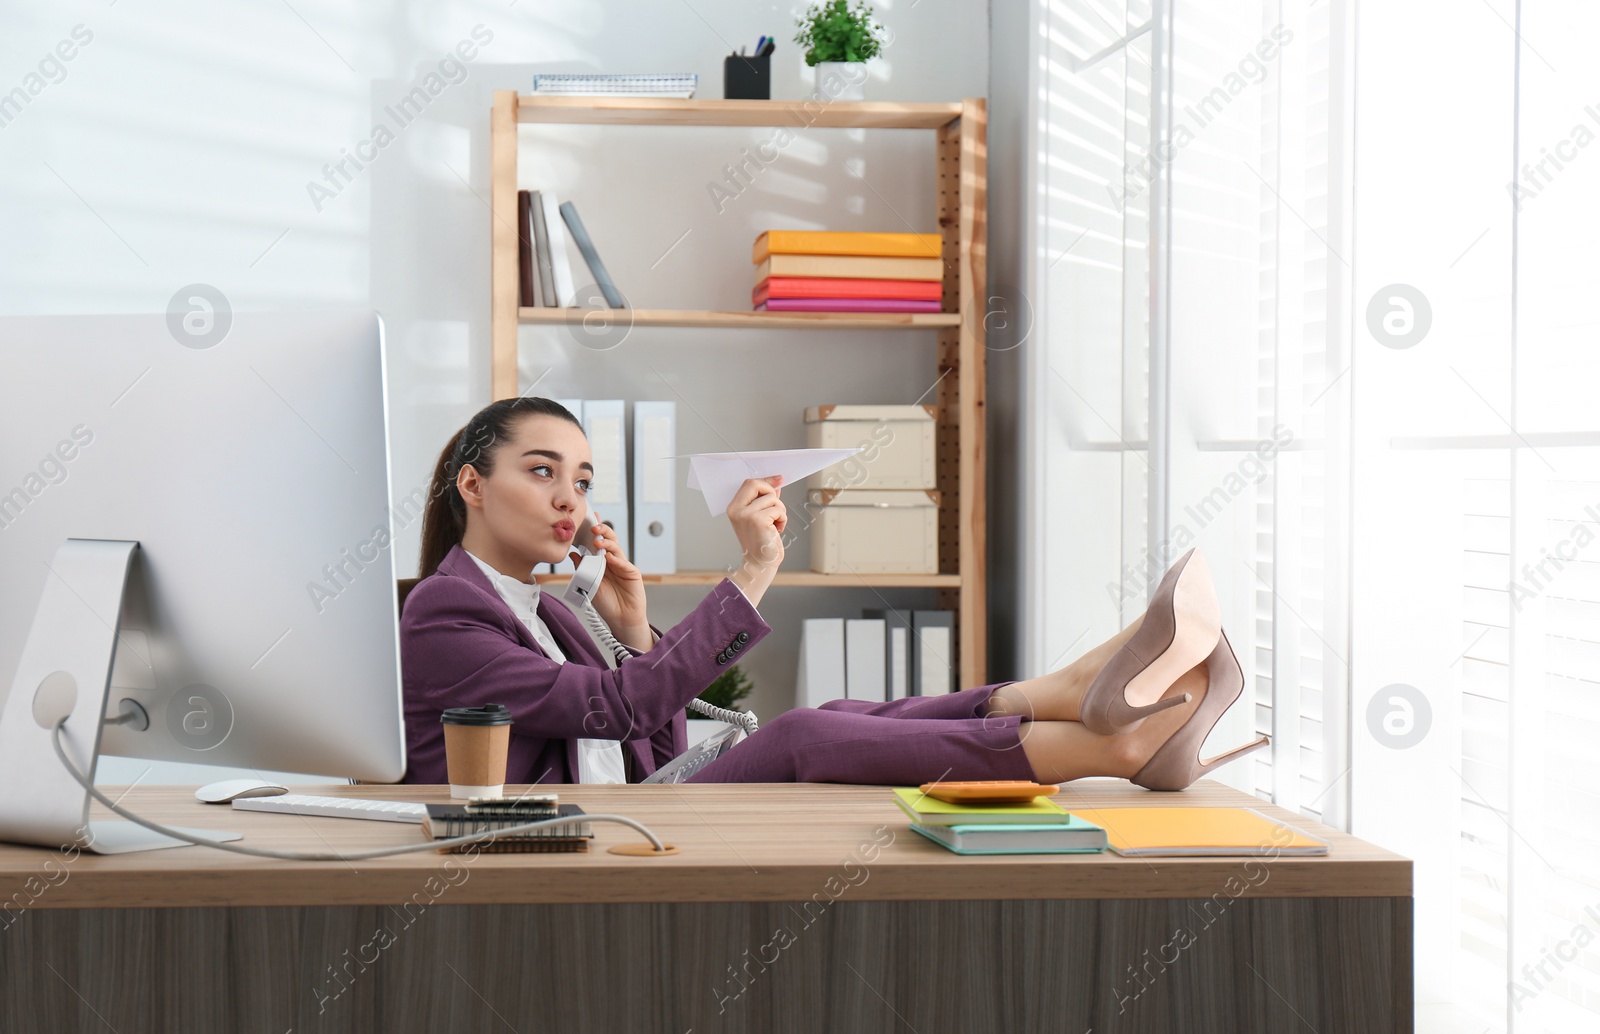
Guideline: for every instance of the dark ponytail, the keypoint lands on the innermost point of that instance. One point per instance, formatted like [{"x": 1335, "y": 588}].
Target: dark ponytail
[{"x": 444, "y": 521}]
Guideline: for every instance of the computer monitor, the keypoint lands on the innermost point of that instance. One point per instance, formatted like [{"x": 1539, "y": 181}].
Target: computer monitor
[{"x": 207, "y": 518}]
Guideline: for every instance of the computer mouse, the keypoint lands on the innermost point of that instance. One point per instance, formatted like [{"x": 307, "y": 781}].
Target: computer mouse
[{"x": 228, "y": 789}]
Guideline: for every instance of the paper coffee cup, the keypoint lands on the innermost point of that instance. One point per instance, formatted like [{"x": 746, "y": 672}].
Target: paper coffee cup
[{"x": 475, "y": 742}]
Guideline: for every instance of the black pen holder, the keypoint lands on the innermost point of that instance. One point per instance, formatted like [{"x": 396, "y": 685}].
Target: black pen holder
[{"x": 747, "y": 78}]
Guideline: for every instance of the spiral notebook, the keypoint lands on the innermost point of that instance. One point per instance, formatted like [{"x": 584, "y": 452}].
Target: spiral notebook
[{"x": 455, "y": 820}]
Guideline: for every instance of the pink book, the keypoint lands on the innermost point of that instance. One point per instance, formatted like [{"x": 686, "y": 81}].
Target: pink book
[{"x": 848, "y": 305}]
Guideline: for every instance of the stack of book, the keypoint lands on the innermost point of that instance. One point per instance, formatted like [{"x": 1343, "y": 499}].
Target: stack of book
[
  {"x": 666, "y": 84},
  {"x": 544, "y": 271},
  {"x": 492, "y": 815},
  {"x": 826, "y": 271},
  {"x": 1039, "y": 827}
]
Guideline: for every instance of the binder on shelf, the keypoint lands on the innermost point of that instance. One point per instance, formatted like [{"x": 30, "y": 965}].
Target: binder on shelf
[
  {"x": 655, "y": 528},
  {"x": 897, "y": 650},
  {"x": 575, "y": 407},
  {"x": 580, "y": 237},
  {"x": 821, "y": 675},
  {"x": 527, "y": 292},
  {"x": 932, "y": 651},
  {"x": 541, "y": 252},
  {"x": 605, "y": 422},
  {"x": 560, "y": 264},
  {"x": 865, "y": 669},
  {"x": 899, "y": 653}
]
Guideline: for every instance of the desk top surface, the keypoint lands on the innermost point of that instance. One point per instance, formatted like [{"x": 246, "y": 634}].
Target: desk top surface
[{"x": 746, "y": 842}]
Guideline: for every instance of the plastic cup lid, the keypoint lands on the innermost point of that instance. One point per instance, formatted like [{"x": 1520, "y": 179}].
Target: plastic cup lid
[{"x": 488, "y": 714}]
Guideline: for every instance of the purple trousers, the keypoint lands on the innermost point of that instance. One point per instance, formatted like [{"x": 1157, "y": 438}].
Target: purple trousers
[{"x": 896, "y": 743}]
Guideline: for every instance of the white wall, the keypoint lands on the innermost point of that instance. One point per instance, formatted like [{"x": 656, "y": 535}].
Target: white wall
[{"x": 178, "y": 143}]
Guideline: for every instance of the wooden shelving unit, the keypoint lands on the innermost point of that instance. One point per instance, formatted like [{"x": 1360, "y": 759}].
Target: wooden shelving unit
[{"x": 961, "y": 174}]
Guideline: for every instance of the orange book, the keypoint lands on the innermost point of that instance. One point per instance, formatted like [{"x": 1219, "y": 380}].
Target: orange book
[
  {"x": 833, "y": 242},
  {"x": 841, "y": 287},
  {"x": 854, "y": 267}
]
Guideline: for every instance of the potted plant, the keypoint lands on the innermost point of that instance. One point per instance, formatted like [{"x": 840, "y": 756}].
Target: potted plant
[
  {"x": 730, "y": 687},
  {"x": 839, "y": 41}
]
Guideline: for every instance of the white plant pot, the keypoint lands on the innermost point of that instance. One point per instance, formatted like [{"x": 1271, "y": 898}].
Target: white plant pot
[{"x": 841, "y": 80}]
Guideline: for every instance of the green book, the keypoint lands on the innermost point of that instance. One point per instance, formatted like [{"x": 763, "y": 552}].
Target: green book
[
  {"x": 933, "y": 812},
  {"x": 1075, "y": 836}
]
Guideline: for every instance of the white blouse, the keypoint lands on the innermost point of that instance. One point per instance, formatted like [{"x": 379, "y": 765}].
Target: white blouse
[{"x": 599, "y": 761}]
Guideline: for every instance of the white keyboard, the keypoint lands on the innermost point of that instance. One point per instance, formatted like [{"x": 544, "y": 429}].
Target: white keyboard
[{"x": 336, "y": 807}]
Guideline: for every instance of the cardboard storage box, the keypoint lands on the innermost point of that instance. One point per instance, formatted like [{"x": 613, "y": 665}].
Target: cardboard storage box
[
  {"x": 862, "y": 531},
  {"x": 897, "y": 444}
]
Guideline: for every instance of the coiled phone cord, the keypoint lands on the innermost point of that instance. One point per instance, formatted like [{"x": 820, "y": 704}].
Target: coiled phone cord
[{"x": 745, "y": 720}]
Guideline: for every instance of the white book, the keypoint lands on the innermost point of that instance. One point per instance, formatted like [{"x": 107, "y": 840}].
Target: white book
[
  {"x": 560, "y": 263},
  {"x": 655, "y": 530},
  {"x": 604, "y": 421},
  {"x": 864, "y": 666},
  {"x": 821, "y": 675}
]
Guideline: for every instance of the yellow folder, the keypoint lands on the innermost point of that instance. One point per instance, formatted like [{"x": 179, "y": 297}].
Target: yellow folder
[{"x": 1199, "y": 831}]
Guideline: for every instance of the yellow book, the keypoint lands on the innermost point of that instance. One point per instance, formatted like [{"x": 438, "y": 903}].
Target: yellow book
[
  {"x": 1199, "y": 831},
  {"x": 833, "y": 242},
  {"x": 852, "y": 267}
]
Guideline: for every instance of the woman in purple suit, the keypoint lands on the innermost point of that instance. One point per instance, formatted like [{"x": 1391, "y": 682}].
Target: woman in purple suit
[{"x": 509, "y": 493}]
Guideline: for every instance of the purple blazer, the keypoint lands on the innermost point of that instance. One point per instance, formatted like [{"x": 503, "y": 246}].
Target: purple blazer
[{"x": 461, "y": 646}]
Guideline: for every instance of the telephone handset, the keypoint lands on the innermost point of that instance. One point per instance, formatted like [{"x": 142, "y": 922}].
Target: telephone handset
[
  {"x": 591, "y": 569},
  {"x": 579, "y": 596}
]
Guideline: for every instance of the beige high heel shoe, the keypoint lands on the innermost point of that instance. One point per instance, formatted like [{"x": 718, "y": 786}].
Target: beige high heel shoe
[
  {"x": 1176, "y": 763},
  {"x": 1179, "y": 630}
]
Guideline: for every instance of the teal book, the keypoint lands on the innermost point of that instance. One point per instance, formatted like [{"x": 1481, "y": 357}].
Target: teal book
[{"x": 1074, "y": 836}]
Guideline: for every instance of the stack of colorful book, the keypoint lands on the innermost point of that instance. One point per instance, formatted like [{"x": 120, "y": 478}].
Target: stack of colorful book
[
  {"x": 1039, "y": 827},
  {"x": 827, "y": 271}
]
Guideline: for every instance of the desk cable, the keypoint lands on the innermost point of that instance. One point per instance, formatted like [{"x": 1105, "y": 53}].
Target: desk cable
[{"x": 331, "y": 856}]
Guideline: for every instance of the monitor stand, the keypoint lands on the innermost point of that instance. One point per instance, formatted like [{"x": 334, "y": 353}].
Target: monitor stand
[{"x": 65, "y": 670}]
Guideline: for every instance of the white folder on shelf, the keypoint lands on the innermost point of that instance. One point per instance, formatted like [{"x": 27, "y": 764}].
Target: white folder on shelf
[
  {"x": 864, "y": 666},
  {"x": 933, "y": 651},
  {"x": 575, "y": 407},
  {"x": 821, "y": 674},
  {"x": 655, "y": 528},
  {"x": 899, "y": 675},
  {"x": 898, "y": 650},
  {"x": 605, "y": 422}
]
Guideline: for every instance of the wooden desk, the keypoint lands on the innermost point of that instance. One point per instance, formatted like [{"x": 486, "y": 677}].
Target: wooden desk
[{"x": 792, "y": 907}]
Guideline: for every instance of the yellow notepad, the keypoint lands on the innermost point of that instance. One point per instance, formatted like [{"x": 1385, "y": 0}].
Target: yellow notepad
[
  {"x": 1199, "y": 831},
  {"x": 932, "y": 811}
]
